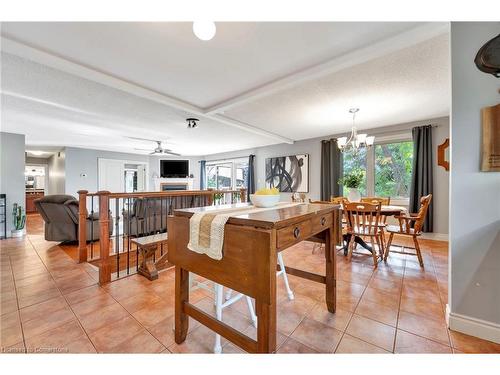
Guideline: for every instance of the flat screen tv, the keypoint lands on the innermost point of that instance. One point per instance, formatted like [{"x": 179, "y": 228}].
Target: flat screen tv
[{"x": 174, "y": 168}]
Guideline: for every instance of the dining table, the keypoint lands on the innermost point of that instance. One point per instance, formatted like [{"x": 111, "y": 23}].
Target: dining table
[{"x": 385, "y": 211}]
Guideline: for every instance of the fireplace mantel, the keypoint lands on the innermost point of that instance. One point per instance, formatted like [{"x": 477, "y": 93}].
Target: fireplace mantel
[{"x": 187, "y": 182}]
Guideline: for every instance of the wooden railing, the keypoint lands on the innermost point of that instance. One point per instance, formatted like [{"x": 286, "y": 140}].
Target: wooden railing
[{"x": 108, "y": 221}]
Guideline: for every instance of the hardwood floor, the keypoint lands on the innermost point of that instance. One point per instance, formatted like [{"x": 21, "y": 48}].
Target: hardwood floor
[{"x": 51, "y": 304}]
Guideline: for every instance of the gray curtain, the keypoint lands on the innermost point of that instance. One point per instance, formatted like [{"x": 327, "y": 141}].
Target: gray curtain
[
  {"x": 203, "y": 175},
  {"x": 331, "y": 169},
  {"x": 251, "y": 174},
  {"x": 421, "y": 178}
]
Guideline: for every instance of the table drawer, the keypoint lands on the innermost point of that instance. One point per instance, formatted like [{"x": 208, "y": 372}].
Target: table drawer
[
  {"x": 321, "y": 222},
  {"x": 293, "y": 233}
]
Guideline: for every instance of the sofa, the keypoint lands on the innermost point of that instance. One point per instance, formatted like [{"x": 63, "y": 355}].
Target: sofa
[
  {"x": 146, "y": 216},
  {"x": 60, "y": 214}
]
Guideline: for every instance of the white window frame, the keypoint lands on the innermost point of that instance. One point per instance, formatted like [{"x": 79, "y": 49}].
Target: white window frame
[{"x": 233, "y": 163}]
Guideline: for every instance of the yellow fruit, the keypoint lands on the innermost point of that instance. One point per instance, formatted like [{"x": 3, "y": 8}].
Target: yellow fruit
[{"x": 267, "y": 191}]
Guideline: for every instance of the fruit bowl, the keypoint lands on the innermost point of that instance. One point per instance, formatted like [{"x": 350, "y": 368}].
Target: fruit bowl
[{"x": 264, "y": 200}]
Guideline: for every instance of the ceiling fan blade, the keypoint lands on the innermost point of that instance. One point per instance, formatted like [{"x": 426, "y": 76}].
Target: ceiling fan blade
[
  {"x": 171, "y": 153},
  {"x": 142, "y": 149},
  {"x": 143, "y": 139},
  {"x": 152, "y": 153}
]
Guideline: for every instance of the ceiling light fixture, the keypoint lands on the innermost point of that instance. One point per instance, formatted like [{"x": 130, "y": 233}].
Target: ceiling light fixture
[
  {"x": 355, "y": 140},
  {"x": 204, "y": 30},
  {"x": 192, "y": 122}
]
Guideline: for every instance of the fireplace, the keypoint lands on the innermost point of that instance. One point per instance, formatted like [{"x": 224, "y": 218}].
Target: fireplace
[{"x": 171, "y": 186}]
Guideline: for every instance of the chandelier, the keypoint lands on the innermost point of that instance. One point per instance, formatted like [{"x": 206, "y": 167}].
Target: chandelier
[{"x": 355, "y": 141}]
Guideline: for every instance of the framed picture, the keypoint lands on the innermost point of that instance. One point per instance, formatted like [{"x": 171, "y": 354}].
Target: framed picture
[
  {"x": 490, "y": 153},
  {"x": 290, "y": 174}
]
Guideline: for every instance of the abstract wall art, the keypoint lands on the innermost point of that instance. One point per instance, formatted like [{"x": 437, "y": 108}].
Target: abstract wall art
[{"x": 290, "y": 174}]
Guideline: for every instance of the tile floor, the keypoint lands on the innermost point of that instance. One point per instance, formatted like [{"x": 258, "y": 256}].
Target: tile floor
[{"x": 51, "y": 304}]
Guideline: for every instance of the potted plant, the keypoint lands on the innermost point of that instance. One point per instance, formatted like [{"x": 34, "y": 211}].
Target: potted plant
[
  {"x": 353, "y": 181},
  {"x": 218, "y": 197},
  {"x": 19, "y": 220}
]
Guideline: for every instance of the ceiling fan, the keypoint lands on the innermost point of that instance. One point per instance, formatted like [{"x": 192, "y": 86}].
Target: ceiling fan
[{"x": 157, "y": 150}]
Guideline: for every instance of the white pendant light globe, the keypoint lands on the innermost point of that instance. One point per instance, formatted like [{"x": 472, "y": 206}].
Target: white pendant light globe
[{"x": 204, "y": 30}]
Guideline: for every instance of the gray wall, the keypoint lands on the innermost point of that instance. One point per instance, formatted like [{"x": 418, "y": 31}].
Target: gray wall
[
  {"x": 57, "y": 173},
  {"x": 313, "y": 148},
  {"x": 80, "y": 161},
  {"x": 474, "y": 195},
  {"x": 12, "y": 172}
]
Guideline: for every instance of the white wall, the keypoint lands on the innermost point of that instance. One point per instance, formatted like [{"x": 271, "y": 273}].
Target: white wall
[
  {"x": 194, "y": 168},
  {"x": 57, "y": 173},
  {"x": 12, "y": 172},
  {"x": 313, "y": 148},
  {"x": 474, "y": 195}
]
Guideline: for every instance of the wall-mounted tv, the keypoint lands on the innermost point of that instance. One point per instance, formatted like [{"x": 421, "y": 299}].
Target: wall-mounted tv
[{"x": 174, "y": 168}]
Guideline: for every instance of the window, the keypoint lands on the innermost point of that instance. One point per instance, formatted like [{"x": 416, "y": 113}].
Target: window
[
  {"x": 393, "y": 165},
  {"x": 227, "y": 175},
  {"x": 354, "y": 161},
  {"x": 387, "y": 166}
]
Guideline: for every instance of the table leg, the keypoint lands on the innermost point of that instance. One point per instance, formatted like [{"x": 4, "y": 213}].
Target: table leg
[
  {"x": 148, "y": 267},
  {"x": 330, "y": 257},
  {"x": 266, "y": 326},
  {"x": 181, "y": 297}
]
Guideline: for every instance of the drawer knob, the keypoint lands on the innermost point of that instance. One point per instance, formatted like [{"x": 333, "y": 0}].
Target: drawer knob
[
  {"x": 323, "y": 221},
  {"x": 296, "y": 232}
]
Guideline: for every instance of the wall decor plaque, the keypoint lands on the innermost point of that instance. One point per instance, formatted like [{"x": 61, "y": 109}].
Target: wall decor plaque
[
  {"x": 490, "y": 152},
  {"x": 444, "y": 155}
]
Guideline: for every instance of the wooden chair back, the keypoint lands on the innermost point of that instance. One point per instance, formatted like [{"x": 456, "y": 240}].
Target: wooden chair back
[
  {"x": 422, "y": 213},
  {"x": 362, "y": 218},
  {"x": 337, "y": 200},
  {"x": 385, "y": 201}
]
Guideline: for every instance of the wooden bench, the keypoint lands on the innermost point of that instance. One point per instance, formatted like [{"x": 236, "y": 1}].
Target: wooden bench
[{"x": 147, "y": 246}]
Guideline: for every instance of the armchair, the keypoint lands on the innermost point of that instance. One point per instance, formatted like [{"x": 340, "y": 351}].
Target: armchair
[
  {"x": 410, "y": 225},
  {"x": 60, "y": 214}
]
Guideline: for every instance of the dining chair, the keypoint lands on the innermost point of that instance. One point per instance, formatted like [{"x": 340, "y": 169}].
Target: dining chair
[
  {"x": 220, "y": 304},
  {"x": 318, "y": 242},
  {"x": 384, "y": 201},
  {"x": 338, "y": 200},
  {"x": 409, "y": 225},
  {"x": 362, "y": 221}
]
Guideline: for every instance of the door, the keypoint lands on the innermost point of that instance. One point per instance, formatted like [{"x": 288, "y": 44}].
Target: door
[
  {"x": 111, "y": 174},
  {"x": 141, "y": 177}
]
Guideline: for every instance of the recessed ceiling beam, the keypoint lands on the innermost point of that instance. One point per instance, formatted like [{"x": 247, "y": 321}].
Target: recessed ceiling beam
[
  {"x": 403, "y": 40},
  {"x": 23, "y": 50}
]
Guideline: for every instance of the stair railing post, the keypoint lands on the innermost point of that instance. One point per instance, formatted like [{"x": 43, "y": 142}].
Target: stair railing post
[
  {"x": 243, "y": 195},
  {"x": 211, "y": 197},
  {"x": 105, "y": 266},
  {"x": 82, "y": 226}
]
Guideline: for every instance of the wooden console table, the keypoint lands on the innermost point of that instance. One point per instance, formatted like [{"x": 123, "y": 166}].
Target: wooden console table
[{"x": 249, "y": 264}]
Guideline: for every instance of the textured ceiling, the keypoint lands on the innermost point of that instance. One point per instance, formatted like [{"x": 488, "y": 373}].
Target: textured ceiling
[
  {"x": 409, "y": 85},
  {"x": 168, "y": 58},
  {"x": 57, "y": 108}
]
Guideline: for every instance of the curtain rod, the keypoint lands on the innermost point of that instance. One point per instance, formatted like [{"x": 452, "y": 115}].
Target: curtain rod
[{"x": 238, "y": 157}]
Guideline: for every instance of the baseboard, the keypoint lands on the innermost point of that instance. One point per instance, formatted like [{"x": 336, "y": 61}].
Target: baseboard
[
  {"x": 472, "y": 326},
  {"x": 435, "y": 236}
]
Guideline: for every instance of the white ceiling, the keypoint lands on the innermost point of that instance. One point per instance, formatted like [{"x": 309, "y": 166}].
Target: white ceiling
[
  {"x": 254, "y": 84},
  {"x": 408, "y": 85}
]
